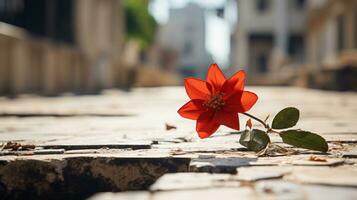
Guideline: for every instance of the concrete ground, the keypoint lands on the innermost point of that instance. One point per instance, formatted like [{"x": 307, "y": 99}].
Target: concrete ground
[{"x": 117, "y": 142}]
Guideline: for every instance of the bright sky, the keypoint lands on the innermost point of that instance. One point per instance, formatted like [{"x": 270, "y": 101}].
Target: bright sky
[{"x": 217, "y": 29}]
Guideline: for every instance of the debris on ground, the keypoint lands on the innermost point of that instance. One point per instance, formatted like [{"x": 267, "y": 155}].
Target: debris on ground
[
  {"x": 169, "y": 126},
  {"x": 14, "y": 146},
  {"x": 317, "y": 159}
]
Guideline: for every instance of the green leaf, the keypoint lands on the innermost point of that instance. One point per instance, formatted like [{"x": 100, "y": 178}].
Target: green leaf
[
  {"x": 286, "y": 118},
  {"x": 254, "y": 140},
  {"x": 304, "y": 139}
]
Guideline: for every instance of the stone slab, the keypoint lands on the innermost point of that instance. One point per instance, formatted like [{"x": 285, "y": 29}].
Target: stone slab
[
  {"x": 189, "y": 181},
  {"x": 276, "y": 189},
  {"x": 350, "y": 154},
  {"x": 255, "y": 174},
  {"x": 127, "y": 145},
  {"x": 326, "y": 176}
]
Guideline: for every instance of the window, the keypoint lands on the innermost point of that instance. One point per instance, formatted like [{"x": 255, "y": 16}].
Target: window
[
  {"x": 53, "y": 19},
  {"x": 299, "y": 4},
  {"x": 340, "y": 33},
  {"x": 263, "y": 63},
  {"x": 262, "y": 5},
  {"x": 260, "y": 46},
  {"x": 296, "y": 48},
  {"x": 220, "y": 12}
]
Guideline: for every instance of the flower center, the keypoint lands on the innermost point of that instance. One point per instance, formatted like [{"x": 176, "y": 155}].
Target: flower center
[{"x": 216, "y": 102}]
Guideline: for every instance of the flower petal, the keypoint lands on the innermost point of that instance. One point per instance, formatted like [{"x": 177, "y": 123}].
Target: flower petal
[
  {"x": 241, "y": 102},
  {"x": 229, "y": 119},
  {"x": 215, "y": 77},
  {"x": 206, "y": 125},
  {"x": 248, "y": 100},
  {"x": 234, "y": 84},
  {"x": 196, "y": 88},
  {"x": 192, "y": 109}
]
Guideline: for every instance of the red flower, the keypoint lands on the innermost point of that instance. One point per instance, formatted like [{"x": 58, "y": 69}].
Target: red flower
[{"x": 216, "y": 101}]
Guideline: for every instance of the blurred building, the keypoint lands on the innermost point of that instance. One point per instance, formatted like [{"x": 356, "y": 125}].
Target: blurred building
[
  {"x": 269, "y": 39},
  {"x": 332, "y": 44},
  {"x": 54, "y": 46},
  {"x": 185, "y": 33},
  {"x": 310, "y": 43}
]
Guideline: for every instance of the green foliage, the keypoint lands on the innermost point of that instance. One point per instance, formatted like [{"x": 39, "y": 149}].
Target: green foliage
[
  {"x": 286, "y": 118},
  {"x": 139, "y": 24},
  {"x": 304, "y": 139},
  {"x": 254, "y": 140}
]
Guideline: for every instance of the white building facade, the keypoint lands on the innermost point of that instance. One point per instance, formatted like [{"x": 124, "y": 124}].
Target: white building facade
[
  {"x": 185, "y": 33},
  {"x": 269, "y": 36}
]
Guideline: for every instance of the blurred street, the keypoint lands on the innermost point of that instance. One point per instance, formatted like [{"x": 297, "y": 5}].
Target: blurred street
[{"x": 98, "y": 131}]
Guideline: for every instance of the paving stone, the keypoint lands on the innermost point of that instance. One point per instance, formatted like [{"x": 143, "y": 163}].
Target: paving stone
[
  {"x": 83, "y": 151},
  {"x": 350, "y": 154},
  {"x": 341, "y": 137},
  {"x": 289, "y": 190},
  {"x": 220, "y": 165},
  {"x": 96, "y": 132},
  {"x": 326, "y": 176},
  {"x": 189, "y": 181},
  {"x": 262, "y": 190},
  {"x": 48, "y": 151},
  {"x": 126, "y": 145},
  {"x": 317, "y": 192},
  {"x": 328, "y": 162},
  {"x": 255, "y": 174},
  {"x": 230, "y": 164},
  {"x": 279, "y": 190},
  {"x": 207, "y": 194}
]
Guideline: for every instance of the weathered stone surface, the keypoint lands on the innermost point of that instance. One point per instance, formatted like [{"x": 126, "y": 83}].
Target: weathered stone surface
[
  {"x": 255, "y": 174},
  {"x": 226, "y": 164},
  {"x": 208, "y": 193},
  {"x": 350, "y": 154},
  {"x": 152, "y": 108},
  {"x": 78, "y": 177},
  {"x": 289, "y": 190},
  {"x": 326, "y": 176},
  {"x": 316, "y": 192},
  {"x": 278, "y": 190},
  {"x": 123, "y": 145},
  {"x": 328, "y": 162},
  {"x": 48, "y": 151},
  {"x": 262, "y": 190},
  {"x": 189, "y": 181},
  {"x": 122, "y": 196},
  {"x": 220, "y": 165},
  {"x": 85, "y": 137}
]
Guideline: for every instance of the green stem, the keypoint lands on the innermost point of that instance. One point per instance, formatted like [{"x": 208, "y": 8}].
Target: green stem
[
  {"x": 258, "y": 120},
  {"x": 269, "y": 130},
  {"x": 273, "y": 131}
]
